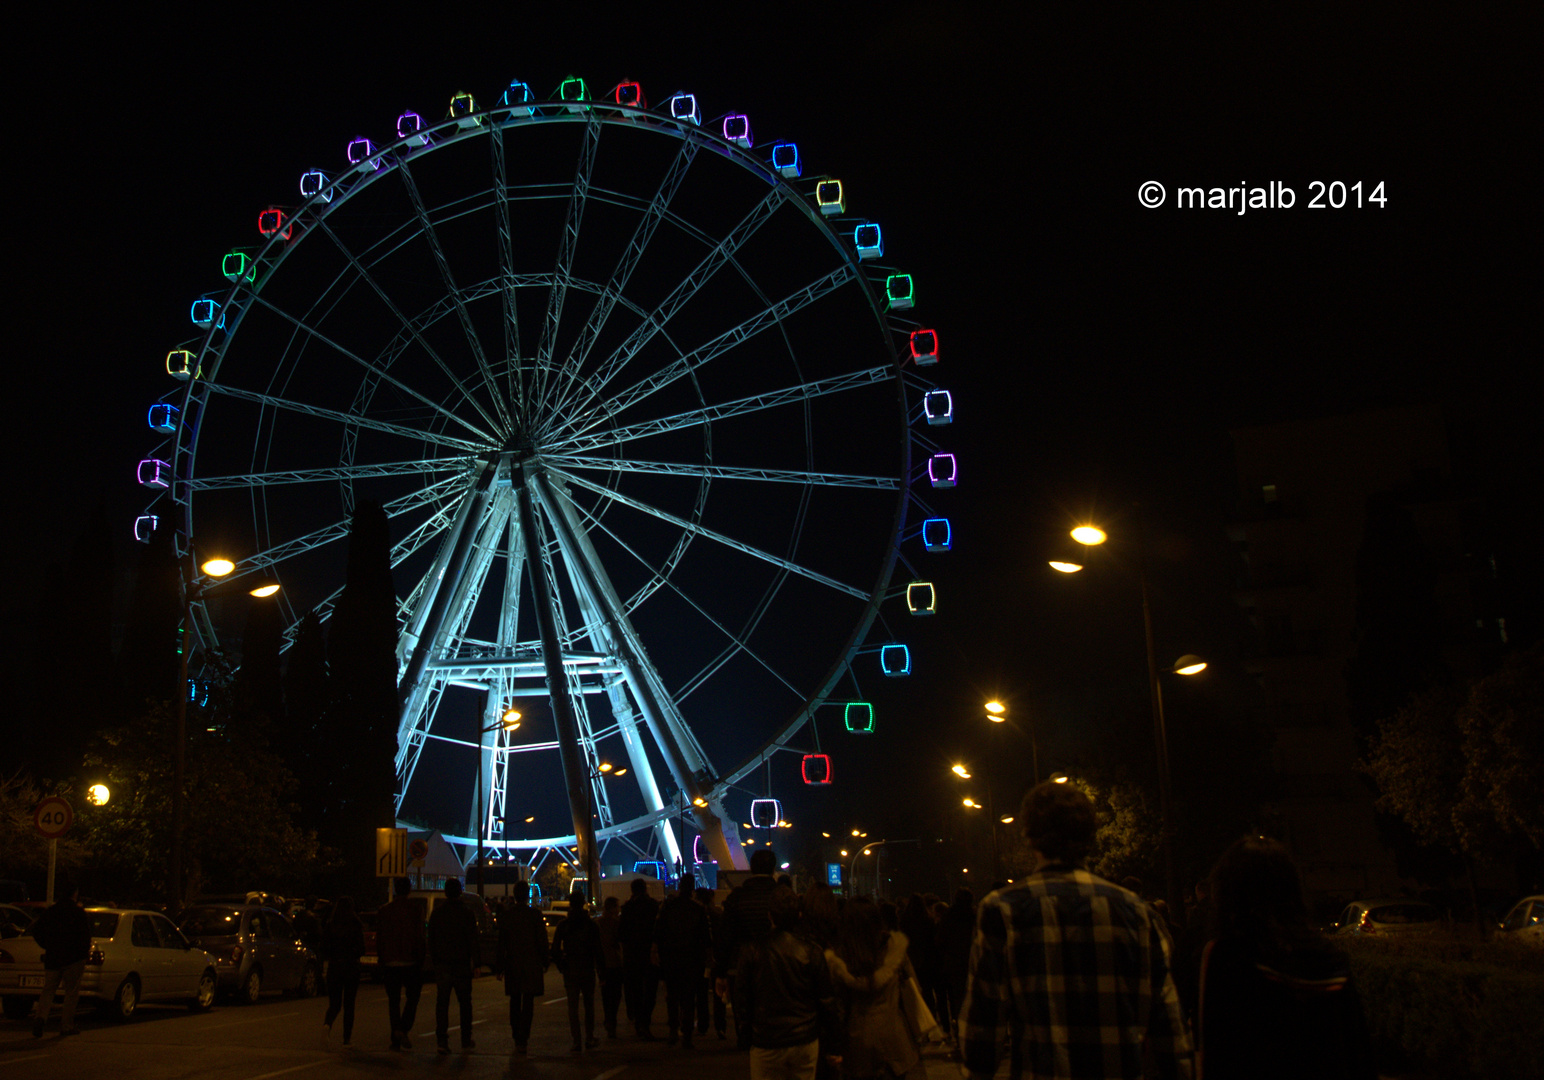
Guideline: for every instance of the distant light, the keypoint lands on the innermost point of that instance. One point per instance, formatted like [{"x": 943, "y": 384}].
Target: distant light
[
  {"x": 1065, "y": 567},
  {"x": 699, "y": 801},
  {"x": 1058, "y": 779},
  {"x": 996, "y": 707},
  {"x": 1089, "y": 535},
  {"x": 218, "y": 567},
  {"x": 868, "y": 851},
  {"x": 826, "y": 835},
  {"x": 961, "y": 771},
  {"x": 621, "y": 772},
  {"x": 844, "y": 853},
  {"x": 1006, "y": 819},
  {"x": 785, "y": 866},
  {"x": 972, "y": 803},
  {"x": 264, "y": 591},
  {"x": 510, "y": 720},
  {"x": 97, "y": 795},
  {"x": 855, "y": 832},
  {"x": 530, "y": 819}
]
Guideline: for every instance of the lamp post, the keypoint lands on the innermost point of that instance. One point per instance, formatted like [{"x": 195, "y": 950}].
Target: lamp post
[
  {"x": 868, "y": 849},
  {"x": 193, "y": 590},
  {"x": 971, "y": 804},
  {"x": 507, "y": 725},
  {"x": 1189, "y": 664}
]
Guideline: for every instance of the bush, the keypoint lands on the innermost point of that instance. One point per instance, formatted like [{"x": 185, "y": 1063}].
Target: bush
[{"x": 1452, "y": 1008}]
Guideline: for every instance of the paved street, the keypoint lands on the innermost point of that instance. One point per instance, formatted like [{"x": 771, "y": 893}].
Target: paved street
[{"x": 282, "y": 1037}]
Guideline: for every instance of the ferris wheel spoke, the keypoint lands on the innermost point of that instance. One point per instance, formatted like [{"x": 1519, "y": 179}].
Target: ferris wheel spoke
[
  {"x": 717, "y": 537},
  {"x": 337, "y": 472},
  {"x": 788, "y": 395},
  {"x": 376, "y": 371},
  {"x": 565, "y": 259},
  {"x": 347, "y": 419},
  {"x": 684, "y": 290},
  {"x": 406, "y": 323},
  {"x": 723, "y": 472},
  {"x": 737, "y": 641},
  {"x": 507, "y": 274},
  {"x": 431, "y": 234},
  {"x": 339, "y": 530},
  {"x": 636, "y": 246},
  {"x": 732, "y": 338}
]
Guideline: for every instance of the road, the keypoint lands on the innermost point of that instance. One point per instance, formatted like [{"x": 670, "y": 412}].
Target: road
[{"x": 282, "y": 1037}]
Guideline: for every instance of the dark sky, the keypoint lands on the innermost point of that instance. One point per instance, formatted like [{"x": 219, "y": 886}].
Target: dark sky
[{"x": 1099, "y": 351}]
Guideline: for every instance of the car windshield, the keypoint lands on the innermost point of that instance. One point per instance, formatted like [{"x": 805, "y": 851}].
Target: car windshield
[
  {"x": 210, "y": 921},
  {"x": 1405, "y": 913}
]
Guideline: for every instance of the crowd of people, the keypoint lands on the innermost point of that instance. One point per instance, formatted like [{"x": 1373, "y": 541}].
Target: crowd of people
[{"x": 1061, "y": 974}]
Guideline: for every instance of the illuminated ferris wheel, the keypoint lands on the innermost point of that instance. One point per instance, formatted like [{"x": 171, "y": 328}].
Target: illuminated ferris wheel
[{"x": 646, "y": 409}]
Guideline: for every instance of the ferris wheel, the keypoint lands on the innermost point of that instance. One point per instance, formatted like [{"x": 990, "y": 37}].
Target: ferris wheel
[{"x": 646, "y": 408}]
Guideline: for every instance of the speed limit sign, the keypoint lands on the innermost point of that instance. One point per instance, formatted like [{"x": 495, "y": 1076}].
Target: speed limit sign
[{"x": 53, "y": 818}]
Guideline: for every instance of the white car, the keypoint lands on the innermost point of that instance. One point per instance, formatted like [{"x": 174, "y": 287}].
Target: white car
[
  {"x": 1525, "y": 922},
  {"x": 135, "y": 956}
]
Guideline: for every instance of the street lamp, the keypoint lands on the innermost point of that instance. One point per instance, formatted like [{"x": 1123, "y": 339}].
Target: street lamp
[
  {"x": 1189, "y": 664},
  {"x": 508, "y": 724},
  {"x": 98, "y": 794}
]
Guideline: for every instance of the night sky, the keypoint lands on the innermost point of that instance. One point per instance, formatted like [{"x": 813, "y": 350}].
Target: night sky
[{"x": 1099, "y": 351}]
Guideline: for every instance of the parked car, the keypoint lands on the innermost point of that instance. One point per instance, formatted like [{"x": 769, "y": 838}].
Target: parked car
[
  {"x": 255, "y": 949},
  {"x": 1395, "y": 915},
  {"x": 1525, "y": 922},
  {"x": 135, "y": 956},
  {"x": 14, "y": 919}
]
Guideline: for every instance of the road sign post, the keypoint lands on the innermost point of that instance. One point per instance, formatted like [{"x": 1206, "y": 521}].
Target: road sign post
[{"x": 52, "y": 819}]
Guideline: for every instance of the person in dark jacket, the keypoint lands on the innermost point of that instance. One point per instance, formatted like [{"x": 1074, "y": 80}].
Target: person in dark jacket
[
  {"x": 453, "y": 952},
  {"x": 521, "y": 961},
  {"x": 576, "y": 953},
  {"x": 746, "y": 922},
  {"x": 956, "y": 931},
  {"x": 1276, "y": 997},
  {"x": 609, "y": 924},
  {"x": 64, "y": 932},
  {"x": 783, "y": 988},
  {"x": 640, "y": 977},
  {"x": 343, "y": 943},
  {"x": 401, "y": 948},
  {"x": 685, "y": 947},
  {"x": 709, "y": 1004}
]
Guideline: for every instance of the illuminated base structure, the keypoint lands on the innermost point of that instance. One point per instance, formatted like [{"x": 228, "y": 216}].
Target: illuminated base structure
[{"x": 651, "y": 434}]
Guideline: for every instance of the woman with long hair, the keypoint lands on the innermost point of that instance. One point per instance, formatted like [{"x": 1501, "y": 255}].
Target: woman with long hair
[
  {"x": 1276, "y": 1000},
  {"x": 868, "y": 964},
  {"x": 343, "y": 943}
]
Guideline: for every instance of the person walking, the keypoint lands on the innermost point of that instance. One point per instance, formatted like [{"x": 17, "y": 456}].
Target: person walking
[
  {"x": 685, "y": 944},
  {"x": 1075, "y": 962},
  {"x": 746, "y": 922},
  {"x": 868, "y": 965},
  {"x": 576, "y": 952},
  {"x": 640, "y": 976},
  {"x": 956, "y": 931},
  {"x": 453, "y": 952},
  {"x": 609, "y": 925},
  {"x": 783, "y": 990},
  {"x": 1277, "y": 1000},
  {"x": 521, "y": 962},
  {"x": 64, "y": 932},
  {"x": 711, "y": 1007},
  {"x": 401, "y": 948},
  {"x": 343, "y": 943}
]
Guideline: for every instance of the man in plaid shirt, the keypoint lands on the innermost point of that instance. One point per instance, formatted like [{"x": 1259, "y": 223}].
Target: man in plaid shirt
[{"x": 1072, "y": 965}]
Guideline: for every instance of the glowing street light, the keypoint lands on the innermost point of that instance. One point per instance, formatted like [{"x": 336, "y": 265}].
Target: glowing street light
[
  {"x": 218, "y": 567},
  {"x": 961, "y": 771},
  {"x": 98, "y": 794},
  {"x": 1089, "y": 535},
  {"x": 1189, "y": 664}
]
